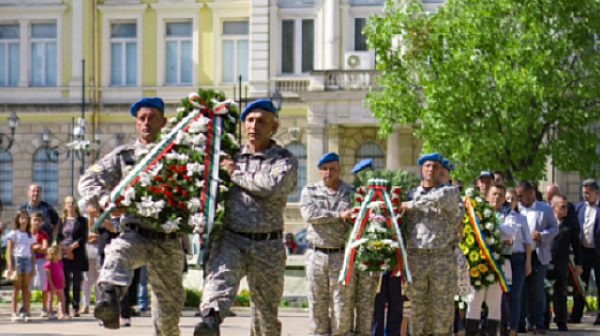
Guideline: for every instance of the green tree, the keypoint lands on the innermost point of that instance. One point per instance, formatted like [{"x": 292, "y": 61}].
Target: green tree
[{"x": 493, "y": 84}]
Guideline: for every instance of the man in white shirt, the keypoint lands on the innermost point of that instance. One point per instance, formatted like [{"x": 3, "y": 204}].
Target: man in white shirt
[
  {"x": 588, "y": 215},
  {"x": 543, "y": 227}
]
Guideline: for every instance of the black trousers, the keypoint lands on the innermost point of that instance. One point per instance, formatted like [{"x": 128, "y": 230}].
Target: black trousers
[
  {"x": 72, "y": 279},
  {"x": 560, "y": 273},
  {"x": 590, "y": 259},
  {"x": 130, "y": 298},
  {"x": 390, "y": 293}
]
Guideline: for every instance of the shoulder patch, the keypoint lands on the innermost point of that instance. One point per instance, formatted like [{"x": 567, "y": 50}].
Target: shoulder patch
[{"x": 97, "y": 168}]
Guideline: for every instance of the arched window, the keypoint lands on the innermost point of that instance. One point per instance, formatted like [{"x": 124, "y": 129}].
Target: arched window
[
  {"x": 299, "y": 152},
  {"x": 373, "y": 151},
  {"x": 45, "y": 173},
  {"x": 6, "y": 177}
]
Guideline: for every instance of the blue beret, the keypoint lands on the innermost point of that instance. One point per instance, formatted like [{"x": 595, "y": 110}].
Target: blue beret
[
  {"x": 264, "y": 104},
  {"x": 486, "y": 173},
  {"x": 329, "y": 157},
  {"x": 448, "y": 165},
  {"x": 362, "y": 164},
  {"x": 147, "y": 102},
  {"x": 431, "y": 157}
]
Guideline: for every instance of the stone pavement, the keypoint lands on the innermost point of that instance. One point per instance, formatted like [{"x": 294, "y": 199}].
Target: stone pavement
[{"x": 295, "y": 323}]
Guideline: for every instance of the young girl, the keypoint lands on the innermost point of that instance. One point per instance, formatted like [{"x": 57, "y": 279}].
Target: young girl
[
  {"x": 21, "y": 259},
  {"x": 54, "y": 282}
]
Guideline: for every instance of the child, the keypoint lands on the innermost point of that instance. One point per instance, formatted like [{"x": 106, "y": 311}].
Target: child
[
  {"x": 21, "y": 259},
  {"x": 55, "y": 283},
  {"x": 41, "y": 249}
]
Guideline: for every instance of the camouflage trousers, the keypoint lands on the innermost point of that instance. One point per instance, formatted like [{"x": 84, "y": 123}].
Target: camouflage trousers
[
  {"x": 434, "y": 284},
  {"x": 164, "y": 261},
  {"x": 324, "y": 289},
  {"x": 363, "y": 290},
  {"x": 231, "y": 258}
]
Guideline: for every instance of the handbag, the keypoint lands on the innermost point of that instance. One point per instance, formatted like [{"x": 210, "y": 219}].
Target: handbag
[
  {"x": 13, "y": 277},
  {"x": 92, "y": 251}
]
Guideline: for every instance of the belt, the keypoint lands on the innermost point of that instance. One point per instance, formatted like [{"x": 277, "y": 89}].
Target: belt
[
  {"x": 326, "y": 250},
  {"x": 430, "y": 251},
  {"x": 258, "y": 236},
  {"x": 151, "y": 234}
]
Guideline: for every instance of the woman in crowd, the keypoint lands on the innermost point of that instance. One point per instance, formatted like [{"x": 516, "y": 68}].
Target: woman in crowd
[
  {"x": 21, "y": 264},
  {"x": 72, "y": 237},
  {"x": 90, "y": 277}
]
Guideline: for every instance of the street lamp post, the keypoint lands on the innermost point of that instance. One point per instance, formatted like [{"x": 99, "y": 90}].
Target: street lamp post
[{"x": 13, "y": 123}]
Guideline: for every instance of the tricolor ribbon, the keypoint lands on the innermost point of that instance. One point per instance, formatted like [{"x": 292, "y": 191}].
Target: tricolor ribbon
[
  {"x": 376, "y": 192},
  {"x": 483, "y": 245},
  {"x": 577, "y": 281}
]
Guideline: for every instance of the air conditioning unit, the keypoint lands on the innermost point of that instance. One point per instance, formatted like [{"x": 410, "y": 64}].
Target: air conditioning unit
[{"x": 359, "y": 60}]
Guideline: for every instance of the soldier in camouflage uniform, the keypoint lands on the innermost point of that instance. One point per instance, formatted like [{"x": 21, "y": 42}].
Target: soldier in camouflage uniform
[
  {"x": 431, "y": 214},
  {"x": 363, "y": 285},
  {"x": 251, "y": 240},
  {"x": 325, "y": 205},
  {"x": 139, "y": 243}
]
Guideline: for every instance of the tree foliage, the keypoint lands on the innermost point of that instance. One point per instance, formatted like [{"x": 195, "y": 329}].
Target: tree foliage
[{"x": 493, "y": 84}]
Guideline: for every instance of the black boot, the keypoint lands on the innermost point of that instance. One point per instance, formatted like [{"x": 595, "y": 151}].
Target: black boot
[
  {"x": 492, "y": 327},
  {"x": 471, "y": 327},
  {"x": 108, "y": 310},
  {"x": 209, "y": 325},
  {"x": 504, "y": 329}
]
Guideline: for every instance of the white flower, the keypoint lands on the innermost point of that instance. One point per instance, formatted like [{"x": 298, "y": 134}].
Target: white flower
[
  {"x": 129, "y": 193},
  {"x": 199, "y": 126},
  {"x": 183, "y": 158},
  {"x": 477, "y": 283},
  {"x": 145, "y": 179},
  {"x": 194, "y": 167},
  {"x": 456, "y": 297},
  {"x": 362, "y": 267},
  {"x": 194, "y": 204},
  {"x": 199, "y": 183},
  {"x": 174, "y": 119},
  {"x": 171, "y": 225},
  {"x": 128, "y": 168},
  {"x": 198, "y": 139},
  {"x": 159, "y": 204},
  {"x": 199, "y": 149},
  {"x": 151, "y": 145},
  {"x": 172, "y": 155},
  {"x": 223, "y": 188},
  {"x": 126, "y": 202},
  {"x": 141, "y": 151},
  {"x": 491, "y": 277},
  {"x": 375, "y": 206},
  {"x": 231, "y": 137},
  {"x": 470, "y": 192},
  {"x": 181, "y": 109},
  {"x": 492, "y": 240},
  {"x": 487, "y": 212},
  {"x": 496, "y": 256},
  {"x": 489, "y": 226},
  {"x": 220, "y": 208},
  {"x": 158, "y": 166},
  {"x": 478, "y": 199},
  {"x": 461, "y": 305},
  {"x": 569, "y": 288}
]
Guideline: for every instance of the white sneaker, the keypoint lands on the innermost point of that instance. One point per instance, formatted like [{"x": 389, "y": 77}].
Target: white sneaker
[
  {"x": 125, "y": 322},
  {"x": 16, "y": 318},
  {"x": 44, "y": 313},
  {"x": 26, "y": 318}
]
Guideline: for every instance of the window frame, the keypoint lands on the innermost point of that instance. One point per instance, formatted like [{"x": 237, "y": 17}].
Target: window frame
[
  {"x": 54, "y": 198},
  {"x": 235, "y": 38},
  {"x": 7, "y": 42},
  {"x": 9, "y": 162},
  {"x": 297, "y": 45},
  {"x": 305, "y": 158},
  {"x": 33, "y": 40},
  {"x": 357, "y": 158},
  {"x": 178, "y": 39},
  {"x": 123, "y": 41}
]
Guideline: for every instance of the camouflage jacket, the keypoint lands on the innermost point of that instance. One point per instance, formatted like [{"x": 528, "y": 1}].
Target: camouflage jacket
[
  {"x": 262, "y": 182},
  {"x": 432, "y": 218},
  {"x": 98, "y": 181},
  {"x": 321, "y": 209}
]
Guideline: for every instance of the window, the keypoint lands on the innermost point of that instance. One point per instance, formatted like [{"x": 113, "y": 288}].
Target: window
[
  {"x": 45, "y": 173},
  {"x": 6, "y": 178},
  {"x": 360, "y": 39},
  {"x": 43, "y": 54},
  {"x": 123, "y": 54},
  {"x": 235, "y": 51},
  {"x": 9, "y": 55},
  {"x": 297, "y": 35},
  {"x": 179, "y": 53},
  {"x": 371, "y": 150},
  {"x": 299, "y": 152}
]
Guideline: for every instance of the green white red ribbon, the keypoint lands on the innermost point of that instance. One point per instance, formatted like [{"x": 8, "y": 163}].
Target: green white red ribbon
[
  {"x": 577, "y": 281},
  {"x": 485, "y": 249}
]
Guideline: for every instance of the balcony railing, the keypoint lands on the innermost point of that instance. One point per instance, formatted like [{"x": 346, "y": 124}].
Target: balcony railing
[
  {"x": 292, "y": 85},
  {"x": 343, "y": 80}
]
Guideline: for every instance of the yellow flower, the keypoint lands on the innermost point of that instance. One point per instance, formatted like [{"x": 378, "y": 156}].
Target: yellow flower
[
  {"x": 470, "y": 240},
  {"x": 466, "y": 219},
  {"x": 483, "y": 268},
  {"x": 474, "y": 256},
  {"x": 465, "y": 250},
  {"x": 474, "y": 272},
  {"x": 467, "y": 229},
  {"x": 473, "y": 204},
  {"x": 478, "y": 215}
]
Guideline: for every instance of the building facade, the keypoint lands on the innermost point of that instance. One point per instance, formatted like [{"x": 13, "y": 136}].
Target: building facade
[{"x": 61, "y": 60}]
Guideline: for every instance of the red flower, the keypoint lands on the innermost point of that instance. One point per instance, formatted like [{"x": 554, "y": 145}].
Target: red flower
[
  {"x": 352, "y": 219},
  {"x": 168, "y": 193},
  {"x": 399, "y": 220},
  {"x": 396, "y": 210},
  {"x": 366, "y": 263},
  {"x": 395, "y": 201},
  {"x": 158, "y": 189},
  {"x": 396, "y": 191},
  {"x": 358, "y": 199},
  {"x": 356, "y": 210},
  {"x": 181, "y": 168},
  {"x": 120, "y": 198},
  {"x": 177, "y": 190},
  {"x": 181, "y": 205},
  {"x": 158, "y": 178},
  {"x": 164, "y": 185},
  {"x": 170, "y": 202},
  {"x": 172, "y": 167},
  {"x": 381, "y": 263},
  {"x": 187, "y": 178},
  {"x": 185, "y": 193},
  {"x": 151, "y": 188}
]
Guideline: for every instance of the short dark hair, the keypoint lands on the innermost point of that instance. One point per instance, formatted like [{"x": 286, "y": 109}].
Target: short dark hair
[
  {"x": 499, "y": 186},
  {"x": 525, "y": 185},
  {"x": 37, "y": 214},
  {"x": 590, "y": 183},
  {"x": 497, "y": 172}
]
